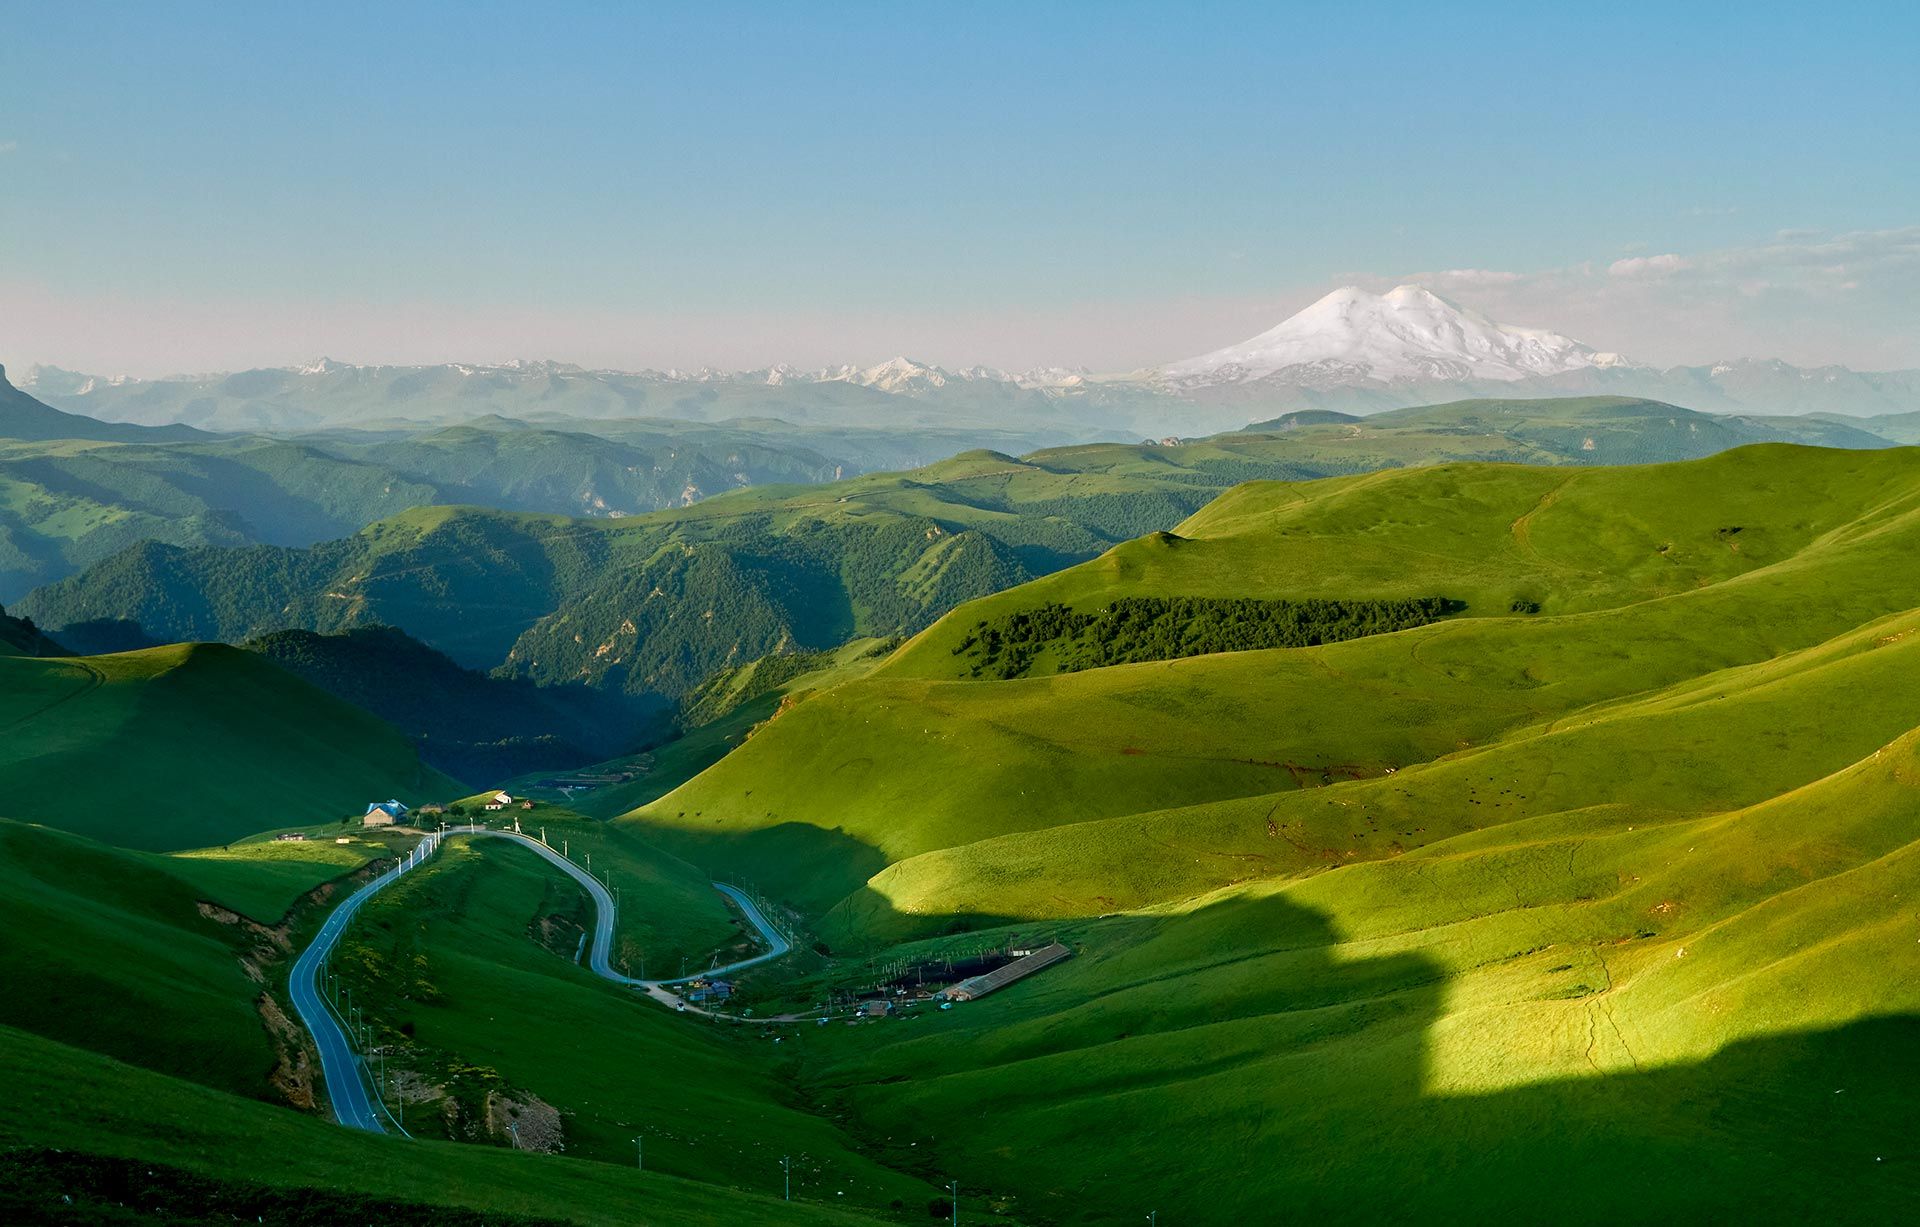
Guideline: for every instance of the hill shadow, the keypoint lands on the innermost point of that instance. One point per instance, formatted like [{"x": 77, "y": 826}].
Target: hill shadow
[{"x": 1235, "y": 1064}]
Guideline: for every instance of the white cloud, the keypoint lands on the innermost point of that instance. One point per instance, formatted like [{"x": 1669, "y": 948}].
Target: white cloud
[
  {"x": 1811, "y": 297},
  {"x": 9, "y": 146},
  {"x": 1481, "y": 276},
  {"x": 1647, "y": 266}
]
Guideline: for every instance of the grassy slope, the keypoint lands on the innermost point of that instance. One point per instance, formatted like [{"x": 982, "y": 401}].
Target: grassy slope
[
  {"x": 261, "y": 878},
  {"x": 189, "y": 745},
  {"x": 570, "y": 600},
  {"x": 121, "y": 961},
  {"x": 1634, "y": 903},
  {"x": 853, "y": 767},
  {"x": 1721, "y": 1006},
  {"x": 668, "y": 907},
  {"x": 142, "y": 1037},
  {"x": 63, "y": 1096}
]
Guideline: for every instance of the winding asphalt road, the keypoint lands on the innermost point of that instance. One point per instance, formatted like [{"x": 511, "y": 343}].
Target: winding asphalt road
[
  {"x": 340, "y": 1064},
  {"x": 600, "y": 958}
]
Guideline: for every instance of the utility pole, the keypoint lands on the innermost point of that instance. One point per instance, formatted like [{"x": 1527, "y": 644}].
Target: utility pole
[
  {"x": 953, "y": 1187},
  {"x": 786, "y": 1169},
  {"x": 640, "y": 1152}
]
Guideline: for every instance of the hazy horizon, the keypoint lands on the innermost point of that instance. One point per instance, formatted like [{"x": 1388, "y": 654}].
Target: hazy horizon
[{"x": 1107, "y": 189}]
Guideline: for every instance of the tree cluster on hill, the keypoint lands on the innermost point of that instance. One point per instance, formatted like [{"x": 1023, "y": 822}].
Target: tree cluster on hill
[{"x": 1134, "y": 629}]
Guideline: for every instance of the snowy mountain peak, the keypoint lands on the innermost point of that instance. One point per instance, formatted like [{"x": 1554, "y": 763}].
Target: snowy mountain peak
[{"x": 1408, "y": 334}]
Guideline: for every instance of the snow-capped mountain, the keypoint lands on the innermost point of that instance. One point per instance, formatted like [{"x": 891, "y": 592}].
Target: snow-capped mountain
[
  {"x": 1351, "y": 352},
  {"x": 1407, "y": 335}
]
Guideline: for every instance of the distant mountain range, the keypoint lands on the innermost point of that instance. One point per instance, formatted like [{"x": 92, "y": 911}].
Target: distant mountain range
[
  {"x": 1352, "y": 352},
  {"x": 899, "y": 394},
  {"x": 23, "y": 417}
]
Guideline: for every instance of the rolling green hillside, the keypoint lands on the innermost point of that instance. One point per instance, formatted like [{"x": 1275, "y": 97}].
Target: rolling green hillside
[
  {"x": 655, "y": 604},
  {"x": 190, "y": 745},
  {"x": 1612, "y": 873},
  {"x": 257, "y": 1155},
  {"x": 1638, "y": 578},
  {"x": 1588, "y": 899},
  {"x": 154, "y": 1020},
  {"x": 123, "y": 962}
]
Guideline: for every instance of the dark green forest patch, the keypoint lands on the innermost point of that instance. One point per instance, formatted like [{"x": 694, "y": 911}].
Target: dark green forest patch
[{"x": 1134, "y": 629}]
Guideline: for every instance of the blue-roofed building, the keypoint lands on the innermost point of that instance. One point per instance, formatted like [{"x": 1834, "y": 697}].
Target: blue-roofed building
[{"x": 383, "y": 814}]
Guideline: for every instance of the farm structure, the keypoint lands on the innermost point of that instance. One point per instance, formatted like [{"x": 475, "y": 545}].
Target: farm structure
[{"x": 976, "y": 987}]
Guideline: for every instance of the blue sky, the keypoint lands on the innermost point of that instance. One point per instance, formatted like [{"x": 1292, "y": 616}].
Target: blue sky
[{"x": 190, "y": 187}]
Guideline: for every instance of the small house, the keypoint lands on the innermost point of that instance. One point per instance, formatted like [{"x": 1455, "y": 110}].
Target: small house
[
  {"x": 499, "y": 800},
  {"x": 383, "y": 814},
  {"x": 292, "y": 837}
]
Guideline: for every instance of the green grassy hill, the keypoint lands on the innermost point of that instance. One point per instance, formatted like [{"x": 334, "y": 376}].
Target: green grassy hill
[
  {"x": 95, "y": 1109},
  {"x": 156, "y": 1023},
  {"x": 1612, "y": 873},
  {"x": 656, "y": 604},
  {"x": 190, "y": 745},
  {"x": 122, "y": 961},
  {"x": 1590, "y": 901},
  {"x": 1638, "y": 578}
]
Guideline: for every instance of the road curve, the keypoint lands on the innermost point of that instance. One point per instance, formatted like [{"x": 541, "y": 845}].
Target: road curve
[
  {"x": 600, "y": 957},
  {"x": 339, "y": 1064}
]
